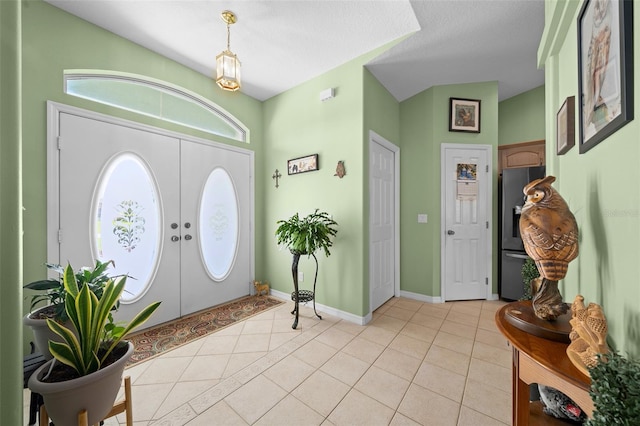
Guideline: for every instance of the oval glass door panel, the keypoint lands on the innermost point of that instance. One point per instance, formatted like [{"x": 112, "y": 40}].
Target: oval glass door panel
[
  {"x": 218, "y": 222},
  {"x": 126, "y": 222}
]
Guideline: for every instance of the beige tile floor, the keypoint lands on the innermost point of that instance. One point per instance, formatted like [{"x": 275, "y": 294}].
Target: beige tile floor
[{"x": 414, "y": 364}]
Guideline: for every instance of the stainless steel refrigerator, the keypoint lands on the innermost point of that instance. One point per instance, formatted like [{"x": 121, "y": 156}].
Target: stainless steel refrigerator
[{"x": 512, "y": 254}]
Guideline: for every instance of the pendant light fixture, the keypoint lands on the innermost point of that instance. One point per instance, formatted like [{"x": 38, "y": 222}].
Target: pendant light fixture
[{"x": 227, "y": 63}]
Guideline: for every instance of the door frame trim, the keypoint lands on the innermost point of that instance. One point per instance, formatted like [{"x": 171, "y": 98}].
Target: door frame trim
[
  {"x": 54, "y": 109},
  {"x": 489, "y": 151},
  {"x": 377, "y": 139}
]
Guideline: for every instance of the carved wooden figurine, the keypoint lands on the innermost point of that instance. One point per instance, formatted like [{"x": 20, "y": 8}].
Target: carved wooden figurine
[
  {"x": 588, "y": 334},
  {"x": 550, "y": 236}
]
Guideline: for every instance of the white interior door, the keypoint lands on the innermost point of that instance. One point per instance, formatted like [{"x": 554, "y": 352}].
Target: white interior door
[
  {"x": 216, "y": 218},
  {"x": 119, "y": 191},
  {"x": 383, "y": 259},
  {"x": 175, "y": 214},
  {"x": 466, "y": 210}
]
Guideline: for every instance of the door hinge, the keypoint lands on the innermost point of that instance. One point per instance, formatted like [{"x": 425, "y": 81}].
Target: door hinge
[
  {"x": 59, "y": 143},
  {"x": 487, "y": 224},
  {"x": 487, "y": 168},
  {"x": 59, "y": 236},
  {"x": 486, "y": 281}
]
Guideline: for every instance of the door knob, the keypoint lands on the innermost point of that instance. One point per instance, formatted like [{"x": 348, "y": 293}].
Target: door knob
[
  {"x": 187, "y": 237},
  {"x": 450, "y": 232},
  {"x": 174, "y": 225},
  {"x": 175, "y": 238},
  {"x": 187, "y": 225}
]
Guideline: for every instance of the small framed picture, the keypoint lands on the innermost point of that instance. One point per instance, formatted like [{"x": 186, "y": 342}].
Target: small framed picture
[
  {"x": 303, "y": 164},
  {"x": 464, "y": 115},
  {"x": 565, "y": 125}
]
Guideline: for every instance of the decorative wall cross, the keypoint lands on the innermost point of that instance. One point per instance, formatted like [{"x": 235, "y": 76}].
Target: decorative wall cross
[{"x": 276, "y": 176}]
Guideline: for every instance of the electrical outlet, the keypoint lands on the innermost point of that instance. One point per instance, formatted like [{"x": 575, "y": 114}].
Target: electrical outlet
[
  {"x": 301, "y": 276},
  {"x": 422, "y": 218}
]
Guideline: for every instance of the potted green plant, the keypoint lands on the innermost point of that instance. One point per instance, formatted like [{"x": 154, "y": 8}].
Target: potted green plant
[
  {"x": 52, "y": 292},
  {"x": 529, "y": 273},
  {"x": 304, "y": 237},
  {"x": 86, "y": 371},
  {"x": 615, "y": 391}
]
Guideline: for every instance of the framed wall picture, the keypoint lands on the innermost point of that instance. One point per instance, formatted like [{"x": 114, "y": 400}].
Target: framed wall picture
[
  {"x": 303, "y": 164},
  {"x": 605, "y": 69},
  {"x": 565, "y": 126},
  {"x": 464, "y": 115}
]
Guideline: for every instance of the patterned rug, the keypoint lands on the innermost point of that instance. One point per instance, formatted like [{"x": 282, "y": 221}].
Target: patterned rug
[{"x": 170, "y": 335}]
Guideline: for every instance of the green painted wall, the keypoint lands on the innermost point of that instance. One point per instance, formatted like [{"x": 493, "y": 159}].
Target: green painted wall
[
  {"x": 296, "y": 124},
  {"x": 53, "y": 41},
  {"x": 599, "y": 186},
  {"x": 10, "y": 213},
  {"x": 424, "y": 126},
  {"x": 521, "y": 118}
]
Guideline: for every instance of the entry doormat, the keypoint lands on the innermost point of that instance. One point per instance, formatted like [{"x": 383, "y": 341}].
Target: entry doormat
[{"x": 170, "y": 335}]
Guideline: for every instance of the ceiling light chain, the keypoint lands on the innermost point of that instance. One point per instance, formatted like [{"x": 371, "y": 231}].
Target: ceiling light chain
[{"x": 227, "y": 63}]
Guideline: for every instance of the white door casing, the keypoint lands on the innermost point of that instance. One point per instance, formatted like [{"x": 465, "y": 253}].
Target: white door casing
[
  {"x": 384, "y": 241},
  {"x": 178, "y": 167},
  {"x": 466, "y": 214}
]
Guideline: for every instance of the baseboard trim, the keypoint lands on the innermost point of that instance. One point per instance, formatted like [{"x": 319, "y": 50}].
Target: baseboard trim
[
  {"x": 347, "y": 316},
  {"x": 430, "y": 299},
  {"x": 420, "y": 297}
]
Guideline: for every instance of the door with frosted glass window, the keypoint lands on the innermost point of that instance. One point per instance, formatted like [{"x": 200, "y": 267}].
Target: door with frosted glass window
[
  {"x": 215, "y": 225},
  {"x": 136, "y": 196}
]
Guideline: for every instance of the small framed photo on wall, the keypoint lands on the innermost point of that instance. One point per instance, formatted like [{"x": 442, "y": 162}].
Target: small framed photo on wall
[
  {"x": 464, "y": 115},
  {"x": 305, "y": 164},
  {"x": 565, "y": 126}
]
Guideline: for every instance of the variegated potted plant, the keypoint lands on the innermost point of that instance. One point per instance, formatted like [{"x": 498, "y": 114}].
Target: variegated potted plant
[
  {"x": 52, "y": 292},
  {"x": 86, "y": 371}
]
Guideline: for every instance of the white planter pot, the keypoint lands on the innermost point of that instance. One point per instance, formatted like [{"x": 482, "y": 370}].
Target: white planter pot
[
  {"x": 42, "y": 333},
  {"x": 95, "y": 392}
]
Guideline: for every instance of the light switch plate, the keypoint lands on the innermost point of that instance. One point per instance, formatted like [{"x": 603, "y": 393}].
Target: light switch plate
[{"x": 422, "y": 218}]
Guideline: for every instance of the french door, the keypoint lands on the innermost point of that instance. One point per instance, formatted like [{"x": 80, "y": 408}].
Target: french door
[
  {"x": 215, "y": 260},
  {"x": 173, "y": 213}
]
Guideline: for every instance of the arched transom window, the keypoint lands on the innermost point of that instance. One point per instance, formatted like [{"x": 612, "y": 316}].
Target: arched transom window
[{"x": 154, "y": 98}]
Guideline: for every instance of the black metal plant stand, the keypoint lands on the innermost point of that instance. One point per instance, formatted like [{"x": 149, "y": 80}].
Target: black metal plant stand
[{"x": 302, "y": 295}]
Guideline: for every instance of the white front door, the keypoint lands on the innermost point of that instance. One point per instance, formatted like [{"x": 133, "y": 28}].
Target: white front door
[
  {"x": 105, "y": 215},
  {"x": 174, "y": 214},
  {"x": 216, "y": 218},
  {"x": 383, "y": 193},
  {"x": 466, "y": 211}
]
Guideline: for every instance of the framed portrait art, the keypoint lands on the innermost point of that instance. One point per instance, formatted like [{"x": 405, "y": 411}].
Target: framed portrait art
[
  {"x": 565, "y": 126},
  {"x": 303, "y": 164},
  {"x": 605, "y": 69},
  {"x": 464, "y": 115}
]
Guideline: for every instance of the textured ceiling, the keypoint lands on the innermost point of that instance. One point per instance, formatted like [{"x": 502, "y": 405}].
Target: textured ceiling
[{"x": 284, "y": 43}]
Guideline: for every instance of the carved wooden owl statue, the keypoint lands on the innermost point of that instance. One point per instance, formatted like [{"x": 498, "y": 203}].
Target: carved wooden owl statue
[{"x": 549, "y": 230}]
